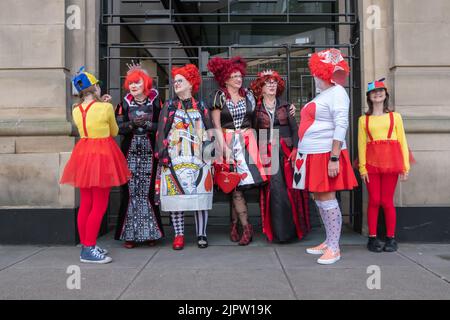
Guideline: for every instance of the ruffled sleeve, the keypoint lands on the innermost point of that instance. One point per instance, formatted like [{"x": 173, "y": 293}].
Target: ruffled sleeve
[{"x": 217, "y": 100}]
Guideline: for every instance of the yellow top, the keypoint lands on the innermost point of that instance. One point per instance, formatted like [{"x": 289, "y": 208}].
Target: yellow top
[
  {"x": 379, "y": 128},
  {"x": 100, "y": 120}
]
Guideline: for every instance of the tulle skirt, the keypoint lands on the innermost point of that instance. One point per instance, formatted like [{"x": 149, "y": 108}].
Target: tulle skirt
[
  {"x": 96, "y": 163},
  {"x": 384, "y": 156}
]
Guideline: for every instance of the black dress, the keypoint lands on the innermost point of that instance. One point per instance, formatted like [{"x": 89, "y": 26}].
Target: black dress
[
  {"x": 284, "y": 210},
  {"x": 139, "y": 218}
]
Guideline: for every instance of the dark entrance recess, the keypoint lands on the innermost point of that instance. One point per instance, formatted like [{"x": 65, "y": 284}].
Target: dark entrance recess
[{"x": 271, "y": 34}]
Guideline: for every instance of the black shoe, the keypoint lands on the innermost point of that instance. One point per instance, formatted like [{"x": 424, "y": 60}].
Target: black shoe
[
  {"x": 390, "y": 245},
  {"x": 374, "y": 245},
  {"x": 202, "y": 242}
]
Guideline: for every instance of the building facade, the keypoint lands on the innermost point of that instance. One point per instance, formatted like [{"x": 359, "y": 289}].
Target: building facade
[{"x": 42, "y": 43}]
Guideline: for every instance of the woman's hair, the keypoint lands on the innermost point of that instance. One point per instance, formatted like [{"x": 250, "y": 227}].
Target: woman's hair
[
  {"x": 191, "y": 74},
  {"x": 223, "y": 68},
  {"x": 135, "y": 76},
  {"x": 89, "y": 91},
  {"x": 258, "y": 84},
  {"x": 386, "y": 107}
]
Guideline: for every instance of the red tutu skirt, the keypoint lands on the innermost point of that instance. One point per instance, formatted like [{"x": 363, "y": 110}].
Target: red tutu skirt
[
  {"x": 317, "y": 179},
  {"x": 384, "y": 156},
  {"x": 96, "y": 163}
]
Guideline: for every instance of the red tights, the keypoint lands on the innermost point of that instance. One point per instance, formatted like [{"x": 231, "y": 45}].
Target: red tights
[
  {"x": 93, "y": 204},
  {"x": 381, "y": 189}
]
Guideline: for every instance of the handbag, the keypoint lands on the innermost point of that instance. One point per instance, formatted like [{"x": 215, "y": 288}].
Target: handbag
[{"x": 226, "y": 180}]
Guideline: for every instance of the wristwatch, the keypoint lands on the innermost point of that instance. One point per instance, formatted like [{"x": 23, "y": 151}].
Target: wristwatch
[{"x": 334, "y": 158}]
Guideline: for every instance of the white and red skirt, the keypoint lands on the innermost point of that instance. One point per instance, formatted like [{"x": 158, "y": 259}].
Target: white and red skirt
[{"x": 316, "y": 178}]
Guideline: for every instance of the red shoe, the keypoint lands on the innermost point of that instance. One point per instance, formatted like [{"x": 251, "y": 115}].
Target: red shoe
[
  {"x": 151, "y": 243},
  {"x": 129, "y": 244},
  {"x": 247, "y": 235},
  {"x": 178, "y": 243},
  {"x": 234, "y": 234}
]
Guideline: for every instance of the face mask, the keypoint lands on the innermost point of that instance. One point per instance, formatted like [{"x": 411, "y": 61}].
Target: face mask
[{"x": 319, "y": 85}]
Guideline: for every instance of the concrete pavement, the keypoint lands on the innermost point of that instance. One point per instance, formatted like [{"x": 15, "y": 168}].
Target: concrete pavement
[{"x": 226, "y": 271}]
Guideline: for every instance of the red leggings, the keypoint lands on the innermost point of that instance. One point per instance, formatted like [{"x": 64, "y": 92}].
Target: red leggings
[
  {"x": 93, "y": 204},
  {"x": 381, "y": 189}
]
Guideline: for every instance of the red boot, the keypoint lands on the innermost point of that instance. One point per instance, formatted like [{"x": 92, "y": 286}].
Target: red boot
[
  {"x": 129, "y": 244},
  {"x": 234, "y": 234},
  {"x": 247, "y": 235},
  {"x": 178, "y": 243}
]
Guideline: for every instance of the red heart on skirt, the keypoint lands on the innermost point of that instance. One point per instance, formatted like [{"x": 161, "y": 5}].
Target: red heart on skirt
[{"x": 299, "y": 163}]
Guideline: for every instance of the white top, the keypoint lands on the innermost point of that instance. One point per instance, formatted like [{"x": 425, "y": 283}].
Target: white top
[{"x": 323, "y": 120}]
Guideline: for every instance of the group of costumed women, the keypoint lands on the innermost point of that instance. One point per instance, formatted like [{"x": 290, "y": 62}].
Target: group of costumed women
[{"x": 173, "y": 153}]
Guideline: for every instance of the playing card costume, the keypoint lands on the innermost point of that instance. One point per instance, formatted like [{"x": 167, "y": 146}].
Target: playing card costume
[
  {"x": 185, "y": 177},
  {"x": 237, "y": 121},
  {"x": 139, "y": 218},
  {"x": 324, "y": 120},
  {"x": 284, "y": 210}
]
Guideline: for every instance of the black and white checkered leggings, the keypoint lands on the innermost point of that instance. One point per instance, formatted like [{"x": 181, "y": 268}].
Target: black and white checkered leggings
[{"x": 201, "y": 220}]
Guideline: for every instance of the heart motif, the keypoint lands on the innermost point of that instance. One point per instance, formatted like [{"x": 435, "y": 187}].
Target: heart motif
[
  {"x": 227, "y": 181},
  {"x": 297, "y": 177},
  {"x": 299, "y": 163},
  {"x": 186, "y": 125},
  {"x": 243, "y": 176},
  {"x": 308, "y": 116}
]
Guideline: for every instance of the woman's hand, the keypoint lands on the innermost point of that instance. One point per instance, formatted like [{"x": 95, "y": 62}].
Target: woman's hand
[
  {"x": 106, "y": 98},
  {"x": 333, "y": 169},
  {"x": 404, "y": 176},
  {"x": 292, "y": 110},
  {"x": 293, "y": 155},
  {"x": 365, "y": 178}
]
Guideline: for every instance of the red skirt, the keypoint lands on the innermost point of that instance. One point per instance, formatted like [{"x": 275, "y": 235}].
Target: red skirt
[
  {"x": 384, "y": 156},
  {"x": 96, "y": 163},
  {"x": 317, "y": 179}
]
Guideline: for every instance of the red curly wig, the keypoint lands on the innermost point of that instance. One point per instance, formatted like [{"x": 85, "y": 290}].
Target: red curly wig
[
  {"x": 258, "y": 84},
  {"x": 192, "y": 75},
  {"x": 329, "y": 65},
  {"x": 223, "y": 68},
  {"x": 135, "y": 76}
]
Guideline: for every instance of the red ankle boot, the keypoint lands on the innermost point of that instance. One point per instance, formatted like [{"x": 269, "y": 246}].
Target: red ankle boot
[
  {"x": 178, "y": 243},
  {"x": 234, "y": 234},
  {"x": 247, "y": 235},
  {"x": 129, "y": 244}
]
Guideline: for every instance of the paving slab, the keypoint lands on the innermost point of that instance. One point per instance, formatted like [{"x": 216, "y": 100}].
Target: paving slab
[{"x": 210, "y": 284}]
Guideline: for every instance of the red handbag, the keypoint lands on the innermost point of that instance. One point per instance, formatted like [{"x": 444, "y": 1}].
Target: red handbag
[{"x": 227, "y": 181}]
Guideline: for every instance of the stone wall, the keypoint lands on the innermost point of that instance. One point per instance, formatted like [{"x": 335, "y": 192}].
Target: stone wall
[{"x": 409, "y": 49}]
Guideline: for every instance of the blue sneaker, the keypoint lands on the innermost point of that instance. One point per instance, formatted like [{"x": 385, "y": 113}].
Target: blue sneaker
[
  {"x": 91, "y": 255},
  {"x": 101, "y": 250}
]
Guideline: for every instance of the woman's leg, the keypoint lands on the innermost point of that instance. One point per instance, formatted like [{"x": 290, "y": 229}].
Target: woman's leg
[
  {"x": 100, "y": 198},
  {"x": 201, "y": 220},
  {"x": 332, "y": 218},
  {"x": 177, "y": 218},
  {"x": 240, "y": 207},
  {"x": 374, "y": 190},
  {"x": 83, "y": 212},
  {"x": 388, "y": 185}
]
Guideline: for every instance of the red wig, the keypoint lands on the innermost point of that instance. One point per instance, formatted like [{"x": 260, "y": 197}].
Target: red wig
[
  {"x": 258, "y": 84},
  {"x": 135, "y": 76},
  {"x": 223, "y": 68},
  {"x": 192, "y": 75},
  {"x": 329, "y": 65}
]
